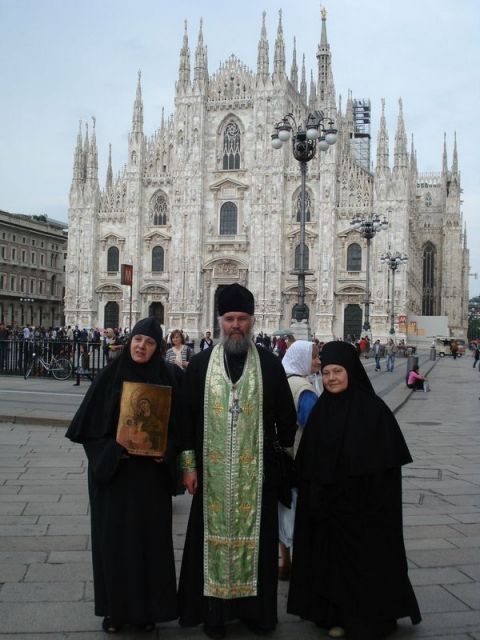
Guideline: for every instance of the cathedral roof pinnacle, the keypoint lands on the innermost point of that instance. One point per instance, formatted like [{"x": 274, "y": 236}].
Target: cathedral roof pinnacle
[
  {"x": 444, "y": 155},
  {"x": 455, "y": 155},
  {"x": 279, "y": 57},
  {"x": 86, "y": 146},
  {"x": 294, "y": 68},
  {"x": 109, "y": 180},
  {"x": 303, "y": 82},
  {"x": 137, "y": 118},
  {"x": 382, "y": 143},
  {"x": 400, "y": 151},
  {"x": 262, "y": 57},
  {"x": 184, "y": 66},
  {"x": 313, "y": 93},
  {"x": 325, "y": 84},
  {"x": 201, "y": 71},
  {"x": 78, "y": 161}
]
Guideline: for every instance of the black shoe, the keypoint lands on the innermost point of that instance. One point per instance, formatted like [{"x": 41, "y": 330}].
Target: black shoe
[
  {"x": 216, "y": 632},
  {"x": 110, "y": 627}
]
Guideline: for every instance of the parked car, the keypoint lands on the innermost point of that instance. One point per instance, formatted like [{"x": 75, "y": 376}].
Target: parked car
[{"x": 443, "y": 346}]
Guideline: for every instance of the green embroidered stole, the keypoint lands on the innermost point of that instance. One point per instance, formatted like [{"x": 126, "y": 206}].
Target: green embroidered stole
[{"x": 232, "y": 477}]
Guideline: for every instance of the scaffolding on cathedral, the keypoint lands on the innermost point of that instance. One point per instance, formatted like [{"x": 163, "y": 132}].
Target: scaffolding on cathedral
[{"x": 361, "y": 133}]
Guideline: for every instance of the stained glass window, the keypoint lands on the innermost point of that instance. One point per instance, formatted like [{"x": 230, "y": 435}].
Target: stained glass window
[
  {"x": 228, "y": 219},
  {"x": 158, "y": 259},
  {"x": 159, "y": 207},
  {"x": 354, "y": 257},
  {"x": 112, "y": 259},
  {"x": 231, "y": 146}
]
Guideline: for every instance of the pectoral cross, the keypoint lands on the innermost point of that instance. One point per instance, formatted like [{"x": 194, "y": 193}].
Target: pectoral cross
[{"x": 235, "y": 410}]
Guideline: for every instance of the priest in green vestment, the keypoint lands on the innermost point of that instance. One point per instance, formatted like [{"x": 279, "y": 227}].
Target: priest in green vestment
[{"x": 237, "y": 403}]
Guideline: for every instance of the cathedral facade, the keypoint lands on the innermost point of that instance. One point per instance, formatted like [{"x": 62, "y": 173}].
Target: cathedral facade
[{"x": 206, "y": 201}]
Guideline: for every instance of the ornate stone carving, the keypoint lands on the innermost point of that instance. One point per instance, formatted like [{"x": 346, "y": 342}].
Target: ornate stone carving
[{"x": 225, "y": 268}]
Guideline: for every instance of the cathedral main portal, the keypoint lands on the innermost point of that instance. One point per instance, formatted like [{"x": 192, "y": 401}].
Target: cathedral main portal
[{"x": 352, "y": 321}]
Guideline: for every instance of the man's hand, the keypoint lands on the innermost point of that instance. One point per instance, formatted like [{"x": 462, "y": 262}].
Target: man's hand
[{"x": 190, "y": 480}]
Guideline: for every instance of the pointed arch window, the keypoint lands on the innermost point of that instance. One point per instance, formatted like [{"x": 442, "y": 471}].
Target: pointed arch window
[
  {"x": 228, "y": 219},
  {"x": 159, "y": 209},
  {"x": 428, "y": 297},
  {"x": 113, "y": 260},
  {"x": 231, "y": 146},
  {"x": 308, "y": 206},
  {"x": 306, "y": 256},
  {"x": 354, "y": 257},
  {"x": 158, "y": 259}
]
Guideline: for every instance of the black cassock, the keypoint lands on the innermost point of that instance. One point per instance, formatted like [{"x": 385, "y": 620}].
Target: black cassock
[
  {"x": 278, "y": 413},
  {"x": 349, "y": 563},
  {"x": 130, "y": 502}
]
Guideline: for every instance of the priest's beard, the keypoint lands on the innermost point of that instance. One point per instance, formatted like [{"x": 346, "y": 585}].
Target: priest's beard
[{"x": 235, "y": 346}]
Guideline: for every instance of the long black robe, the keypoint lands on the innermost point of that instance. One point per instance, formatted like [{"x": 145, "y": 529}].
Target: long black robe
[
  {"x": 130, "y": 502},
  {"x": 278, "y": 413},
  {"x": 349, "y": 563}
]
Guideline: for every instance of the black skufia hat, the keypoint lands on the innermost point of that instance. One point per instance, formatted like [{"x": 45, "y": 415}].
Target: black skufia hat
[
  {"x": 236, "y": 298},
  {"x": 148, "y": 327}
]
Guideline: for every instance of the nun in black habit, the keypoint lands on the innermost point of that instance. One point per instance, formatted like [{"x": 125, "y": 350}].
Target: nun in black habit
[
  {"x": 130, "y": 495},
  {"x": 349, "y": 566}
]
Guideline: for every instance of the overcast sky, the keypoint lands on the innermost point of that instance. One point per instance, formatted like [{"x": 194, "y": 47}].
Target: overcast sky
[{"x": 66, "y": 60}]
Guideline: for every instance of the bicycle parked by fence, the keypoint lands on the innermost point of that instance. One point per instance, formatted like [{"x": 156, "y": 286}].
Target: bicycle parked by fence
[{"x": 60, "y": 368}]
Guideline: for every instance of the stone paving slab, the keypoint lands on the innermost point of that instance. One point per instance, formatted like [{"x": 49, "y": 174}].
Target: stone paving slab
[
  {"x": 468, "y": 593},
  {"x": 429, "y": 531},
  {"x": 11, "y": 509},
  {"x": 22, "y": 617},
  {"x": 429, "y": 543},
  {"x": 66, "y": 572},
  {"x": 61, "y": 557},
  {"x": 42, "y": 592},
  {"x": 19, "y": 519},
  {"x": 472, "y": 541},
  {"x": 23, "y": 530},
  {"x": 43, "y": 543},
  {"x": 436, "y": 599},
  {"x": 56, "y": 508},
  {"x": 472, "y": 570},
  {"x": 15, "y": 496},
  {"x": 445, "y": 557},
  {"x": 68, "y": 530}
]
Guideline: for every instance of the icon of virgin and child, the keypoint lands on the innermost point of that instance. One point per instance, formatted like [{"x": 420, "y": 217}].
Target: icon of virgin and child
[{"x": 143, "y": 422}]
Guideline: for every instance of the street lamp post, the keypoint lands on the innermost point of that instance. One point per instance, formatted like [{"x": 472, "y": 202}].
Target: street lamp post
[
  {"x": 393, "y": 261},
  {"x": 368, "y": 228},
  {"x": 306, "y": 137}
]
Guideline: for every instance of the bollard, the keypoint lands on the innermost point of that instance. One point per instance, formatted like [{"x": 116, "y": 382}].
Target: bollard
[
  {"x": 433, "y": 353},
  {"x": 411, "y": 362}
]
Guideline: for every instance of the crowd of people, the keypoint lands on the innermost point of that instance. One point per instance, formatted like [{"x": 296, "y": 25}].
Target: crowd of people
[{"x": 235, "y": 414}]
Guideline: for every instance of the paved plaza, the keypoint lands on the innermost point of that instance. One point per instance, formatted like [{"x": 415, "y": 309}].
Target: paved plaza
[{"x": 45, "y": 569}]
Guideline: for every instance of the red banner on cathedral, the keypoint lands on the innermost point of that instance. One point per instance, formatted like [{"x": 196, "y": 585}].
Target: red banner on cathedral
[{"x": 127, "y": 274}]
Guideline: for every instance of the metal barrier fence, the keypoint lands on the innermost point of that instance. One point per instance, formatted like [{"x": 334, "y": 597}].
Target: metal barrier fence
[{"x": 16, "y": 355}]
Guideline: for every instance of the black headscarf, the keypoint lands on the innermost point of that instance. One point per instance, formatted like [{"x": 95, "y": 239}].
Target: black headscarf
[
  {"x": 351, "y": 433},
  {"x": 97, "y": 416}
]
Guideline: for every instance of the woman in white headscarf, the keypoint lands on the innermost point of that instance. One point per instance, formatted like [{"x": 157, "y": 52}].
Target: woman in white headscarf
[{"x": 299, "y": 362}]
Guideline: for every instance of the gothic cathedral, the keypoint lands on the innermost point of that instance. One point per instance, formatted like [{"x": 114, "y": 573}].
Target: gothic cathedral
[{"x": 206, "y": 201}]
